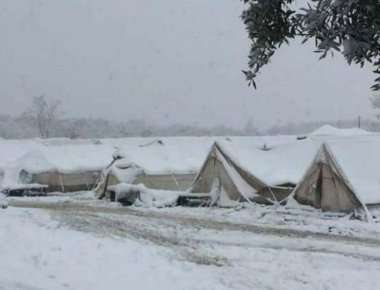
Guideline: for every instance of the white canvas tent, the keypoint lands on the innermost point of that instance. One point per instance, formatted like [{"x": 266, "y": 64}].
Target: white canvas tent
[
  {"x": 343, "y": 176},
  {"x": 62, "y": 168},
  {"x": 70, "y": 165},
  {"x": 247, "y": 169},
  {"x": 124, "y": 172},
  {"x": 168, "y": 163}
]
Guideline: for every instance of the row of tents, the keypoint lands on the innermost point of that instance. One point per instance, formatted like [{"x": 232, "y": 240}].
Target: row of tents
[
  {"x": 341, "y": 176},
  {"x": 332, "y": 172},
  {"x": 73, "y": 165}
]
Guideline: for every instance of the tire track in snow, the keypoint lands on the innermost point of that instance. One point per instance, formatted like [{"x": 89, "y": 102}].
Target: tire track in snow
[
  {"x": 199, "y": 222},
  {"x": 173, "y": 231},
  {"x": 157, "y": 233}
]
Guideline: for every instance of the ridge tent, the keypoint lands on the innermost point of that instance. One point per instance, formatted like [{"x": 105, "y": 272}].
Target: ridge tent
[
  {"x": 157, "y": 163},
  {"x": 247, "y": 170},
  {"x": 167, "y": 163},
  {"x": 70, "y": 165},
  {"x": 343, "y": 176}
]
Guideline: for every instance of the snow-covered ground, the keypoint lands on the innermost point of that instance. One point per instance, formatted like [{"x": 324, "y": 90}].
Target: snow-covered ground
[{"x": 75, "y": 242}]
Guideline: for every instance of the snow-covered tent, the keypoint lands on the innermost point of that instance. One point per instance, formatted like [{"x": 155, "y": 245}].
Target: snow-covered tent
[
  {"x": 343, "y": 176},
  {"x": 248, "y": 169},
  {"x": 71, "y": 165},
  {"x": 330, "y": 131},
  {"x": 125, "y": 172},
  {"x": 57, "y": 181},
  {"x": 62, "y": 168},
  {"x": 157, "y": 163}
]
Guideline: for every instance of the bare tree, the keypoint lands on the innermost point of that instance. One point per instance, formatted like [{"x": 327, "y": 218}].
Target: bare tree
[
  {"x": 250, "y": 128},
  {"x": 44, "y": 114}
]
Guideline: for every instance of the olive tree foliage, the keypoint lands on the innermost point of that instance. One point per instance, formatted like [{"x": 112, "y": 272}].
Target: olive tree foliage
[{"x": 350, "y": 27}]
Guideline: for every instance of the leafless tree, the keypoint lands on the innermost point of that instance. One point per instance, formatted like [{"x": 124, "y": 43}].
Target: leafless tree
[{"x": 44, "y": 114}]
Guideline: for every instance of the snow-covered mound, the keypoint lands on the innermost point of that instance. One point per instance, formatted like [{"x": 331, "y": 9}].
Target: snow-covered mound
[
  {"x": 126, "y": 171},
  {"x": 145, "y": 197},
  {"x": 328, "y": 130}
]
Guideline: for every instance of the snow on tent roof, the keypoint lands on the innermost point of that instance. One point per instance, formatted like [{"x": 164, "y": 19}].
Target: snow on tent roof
[
  {"x": 11, "y": 150},
  {"x": 65, "y": 159},
  {"x": 286, "y": 162},
  {"x": 154, "y": 155},
  {"x": 165, "y": 155},
  {"x": 359, "y": 159},
  {"x": 283, "y": 163},
  {"x": 33, "y": 160},
  {"x": 75, "y": 158},
  {"x": 328, "y": 130},
  {"x": 178, "y": 154}
]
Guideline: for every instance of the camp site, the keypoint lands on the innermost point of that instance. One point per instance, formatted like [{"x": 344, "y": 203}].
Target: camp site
[
  {"x": 208, "y": 203},
  {"x": 190, "y": 145}
]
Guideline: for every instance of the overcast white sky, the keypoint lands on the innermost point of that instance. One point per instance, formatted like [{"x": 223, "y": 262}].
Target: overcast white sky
[{"x": 166, "y": 61}]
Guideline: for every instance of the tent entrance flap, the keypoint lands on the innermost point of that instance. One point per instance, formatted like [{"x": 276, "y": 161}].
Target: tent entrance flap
[
  {"x": 216, "y": 167},
  {"x": 238, "y": 183},
  {"x": 324, "y": 185}
]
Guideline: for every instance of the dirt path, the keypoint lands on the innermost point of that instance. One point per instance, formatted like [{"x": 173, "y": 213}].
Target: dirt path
[
  {"x": 170, "y": 233},
  {"x": 195, "y": 239},
  {"x": 73, "y": 209}
]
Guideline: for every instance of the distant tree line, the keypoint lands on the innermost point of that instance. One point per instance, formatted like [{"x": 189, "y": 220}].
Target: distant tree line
[
  {"x": 23, "y": 126},
  {"x": 44, "y": 119}
]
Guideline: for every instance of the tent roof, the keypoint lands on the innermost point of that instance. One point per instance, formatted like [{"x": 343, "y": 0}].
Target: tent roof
[
  {"x": 155, "y": 155},
  {"x": 285, "y": 162},
  {"x": 328, "y": 130},
  {"x": 164, "y": 155},
  {"x": 359, "y": 159},
  {"x": 177, "y": 154}
]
